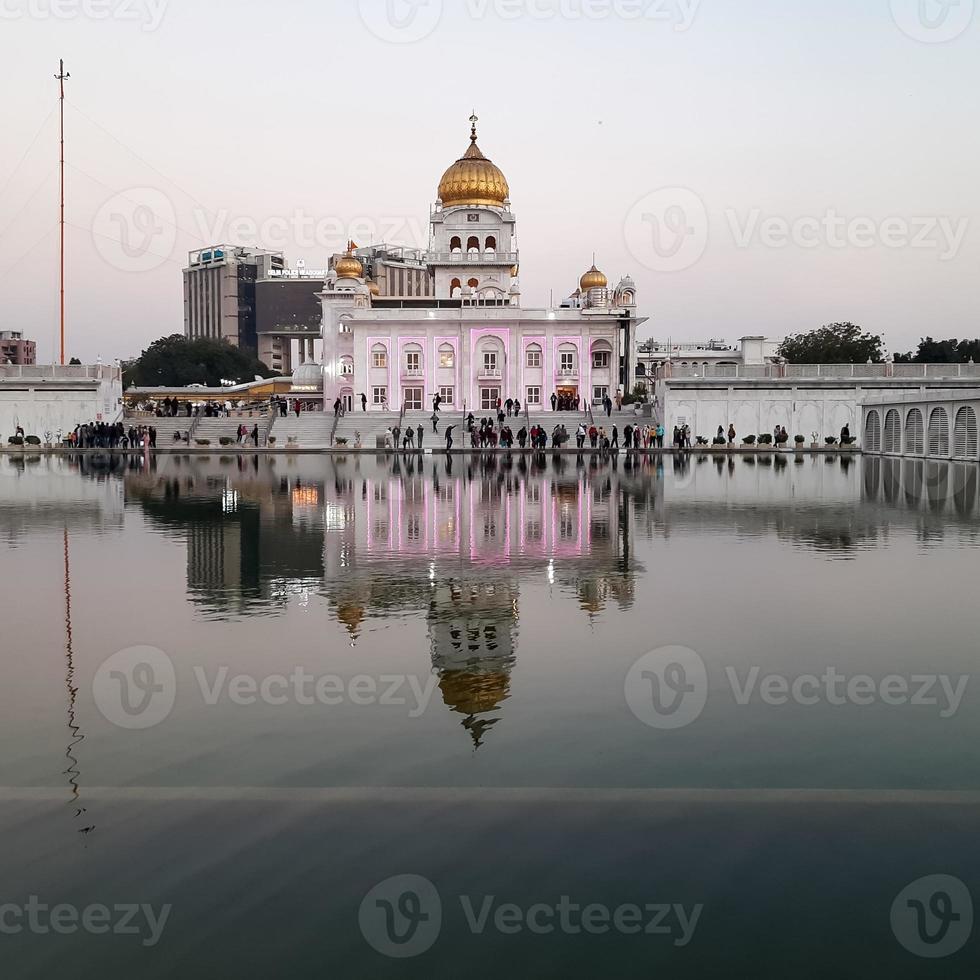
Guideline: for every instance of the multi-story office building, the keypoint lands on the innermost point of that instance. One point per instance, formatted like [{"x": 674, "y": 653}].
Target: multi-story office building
[{"x": 219, "y": 293}]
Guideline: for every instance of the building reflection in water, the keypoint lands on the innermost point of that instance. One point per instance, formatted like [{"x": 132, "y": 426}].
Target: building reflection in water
[{"x": 389, "y": 537}]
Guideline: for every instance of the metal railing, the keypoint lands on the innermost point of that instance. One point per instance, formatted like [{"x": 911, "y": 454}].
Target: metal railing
[
  {"x": 818, "y": 371},
  {"x": 475, "y": 258}
]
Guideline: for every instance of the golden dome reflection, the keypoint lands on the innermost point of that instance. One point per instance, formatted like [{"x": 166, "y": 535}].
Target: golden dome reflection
[{"x": 473, "y": 180}]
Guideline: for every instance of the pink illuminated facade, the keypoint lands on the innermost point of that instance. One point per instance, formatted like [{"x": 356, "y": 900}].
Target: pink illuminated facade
[{"x": 471, "y": 341}]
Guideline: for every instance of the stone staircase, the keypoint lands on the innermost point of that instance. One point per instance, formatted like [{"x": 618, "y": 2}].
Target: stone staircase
[
  {"x": 214, "y": 429},
  {"x": 312, "y": 430}
]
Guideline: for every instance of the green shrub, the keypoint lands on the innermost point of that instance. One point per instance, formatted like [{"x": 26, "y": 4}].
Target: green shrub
[
  {"x": 800, "y": 440},
  {"x": 831, "y": 440},
  {"x": 226, "y": 440},
  {"x": 33, "y": 440},
  {"x": 203, "y": 442},
  {"x": 15, "y": 441},
  {"x": 749, "y": 440}
]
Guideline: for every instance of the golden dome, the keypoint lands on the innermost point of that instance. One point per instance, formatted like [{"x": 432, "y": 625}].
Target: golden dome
[
  {"x": 593, "y": 279},
  {"x": 349, "y": 267},
  {"x": 374, "y": 288},
  {"x": 473, "y": 180}
]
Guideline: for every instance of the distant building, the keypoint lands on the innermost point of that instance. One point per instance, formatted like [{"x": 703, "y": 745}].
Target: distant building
[
  {"x": 219, "y": 293},
  {"x": 288, "y": 304},
  {"x": 654, "y": 355},
  {"x": 15, "y": 350}
]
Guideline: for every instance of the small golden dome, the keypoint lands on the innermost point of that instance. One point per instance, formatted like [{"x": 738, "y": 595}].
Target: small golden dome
[
  {"x": 514, "y": 271},
  {"x": 374, "y": 288},
  {"x": 349, "y": 267},
  {"x": 473, "y": 180},
  {"x": 593, "y": 279}
]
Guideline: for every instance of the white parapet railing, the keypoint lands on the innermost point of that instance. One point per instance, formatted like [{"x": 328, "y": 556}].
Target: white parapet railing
[{"x": 842, "y": 372}]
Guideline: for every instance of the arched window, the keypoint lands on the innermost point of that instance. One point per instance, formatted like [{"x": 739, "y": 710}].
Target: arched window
[
  {"x": 913, "y": 433},
  {"x": 347, "y": 367},
  {"x": 567, "y": 361},
  {"x": 413, "y": 360},
  {"x": 474, "y": 283},
  {"x": 456, "y": 245},
  {"x": 893, "y": 432},
  {"x": 379, "y": 356},
  {"x": 965, "y": 434},
  {"x": 473, "y": 246},
  {"x": 872, "y": 432},
  {"x": 939, "y": 432},
  {"x": 447, "y": 356},
  {"x": 533, "y": 354},
  {"x": 455, "y": 287},
  {"x": 491, "y": 245}
]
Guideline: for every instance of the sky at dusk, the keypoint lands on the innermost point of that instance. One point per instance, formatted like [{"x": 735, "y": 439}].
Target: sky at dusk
[{"x": 761, "y": 167}]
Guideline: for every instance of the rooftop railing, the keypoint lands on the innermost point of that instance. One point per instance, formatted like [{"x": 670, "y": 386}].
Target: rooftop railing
[{"x": 841, "y": 372}]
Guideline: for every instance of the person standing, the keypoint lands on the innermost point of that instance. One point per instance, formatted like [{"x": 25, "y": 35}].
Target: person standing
[
  {"x": 255, "y": 436},
  {"x": 421, "y": 434},
  {"x": 554, "y": 402},
  {"x": 731, "y": 434},
  {"x": 615, "y": 437},
  {"x": 449, "y": 438},
  {"x": 363, "y": 402}
]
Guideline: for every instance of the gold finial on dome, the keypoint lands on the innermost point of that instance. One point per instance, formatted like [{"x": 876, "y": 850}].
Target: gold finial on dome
[
  {"x": 349, "y": 266},
  {"x": 593, "y": 279},
  {"x": 474, "y": 180}
]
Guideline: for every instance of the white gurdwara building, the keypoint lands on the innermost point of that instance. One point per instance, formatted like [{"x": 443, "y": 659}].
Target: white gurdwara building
[{"x": 470, "y": 341}]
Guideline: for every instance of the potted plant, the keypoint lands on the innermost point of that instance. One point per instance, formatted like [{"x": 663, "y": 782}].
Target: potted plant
[
  {"x": 203, "y": 442},
  {"x": 272, "y": 440},
  {"x": 749, "y": 441},
  {"x": 831, "y": 440},
  {"x": 765, "y": 439},
  {"x": 816, "y": 440},
  {"x": 226, "y": 440},
  {"x": 799, "y": 440},
  {"x": 33, "y": 440}
]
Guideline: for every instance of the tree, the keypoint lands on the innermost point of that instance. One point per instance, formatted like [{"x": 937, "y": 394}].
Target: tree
[
  {"x": 835, "y": 343},
  {"x": 175, "y": 362},
  {"x": 942, "y": 352}
]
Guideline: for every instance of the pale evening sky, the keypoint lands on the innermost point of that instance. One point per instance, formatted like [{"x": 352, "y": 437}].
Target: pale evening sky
[{"x": 759, "y": 168}]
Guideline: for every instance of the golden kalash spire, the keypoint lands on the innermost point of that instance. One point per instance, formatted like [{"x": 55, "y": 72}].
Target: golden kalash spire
[{"x": 473, "y": 180}]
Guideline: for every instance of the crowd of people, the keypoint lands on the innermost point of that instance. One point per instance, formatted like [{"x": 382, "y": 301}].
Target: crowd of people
[{"x": 102, "y": 435}]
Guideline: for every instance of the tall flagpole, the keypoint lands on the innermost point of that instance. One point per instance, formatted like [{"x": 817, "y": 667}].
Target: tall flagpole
[{"x": 61, "y": 76}]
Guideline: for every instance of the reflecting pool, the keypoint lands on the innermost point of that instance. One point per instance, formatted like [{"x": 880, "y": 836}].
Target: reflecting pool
[{"x": 430, "y": 716}]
